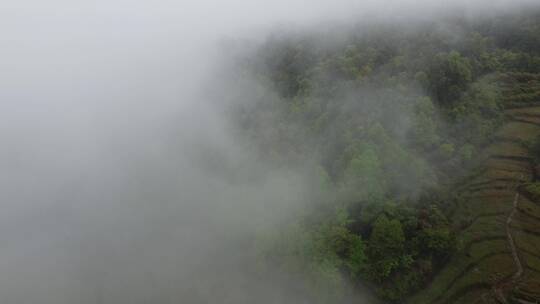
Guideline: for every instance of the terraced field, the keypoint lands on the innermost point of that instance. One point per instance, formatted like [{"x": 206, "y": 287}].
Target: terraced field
[{"x": 498, "y": 260}]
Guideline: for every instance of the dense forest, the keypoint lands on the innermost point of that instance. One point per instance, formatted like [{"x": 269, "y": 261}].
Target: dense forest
[{"x": 391, "y": 119}]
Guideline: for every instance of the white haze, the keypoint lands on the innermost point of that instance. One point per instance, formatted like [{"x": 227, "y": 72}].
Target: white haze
[{"x": 110, "y": 190}]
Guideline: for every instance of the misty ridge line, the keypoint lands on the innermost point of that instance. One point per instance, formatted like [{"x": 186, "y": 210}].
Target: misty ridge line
[
  {"x": 348, "y": 98},
  {"x": 121, "y": 181}
]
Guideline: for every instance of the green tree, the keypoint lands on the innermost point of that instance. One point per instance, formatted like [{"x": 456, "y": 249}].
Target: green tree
[
  {"x": 386, "y": 247},
  {"x": 449, "y": 76},
  {"x": 364, "y": 179},
  {"x": 424, "y": 130}
]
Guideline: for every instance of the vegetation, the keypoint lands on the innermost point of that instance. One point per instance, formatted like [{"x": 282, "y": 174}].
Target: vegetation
[{"x": 392, "y": 117}]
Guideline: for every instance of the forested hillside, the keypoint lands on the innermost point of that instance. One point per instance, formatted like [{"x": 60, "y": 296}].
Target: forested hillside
[{"x": 399, "y": 122}]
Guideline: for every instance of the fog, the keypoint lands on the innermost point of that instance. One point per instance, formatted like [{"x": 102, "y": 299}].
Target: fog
[{"x": 120, "y": 181}]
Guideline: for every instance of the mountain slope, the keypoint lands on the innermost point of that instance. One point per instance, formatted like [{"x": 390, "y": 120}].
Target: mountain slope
[{"x": 498, "y": 222}]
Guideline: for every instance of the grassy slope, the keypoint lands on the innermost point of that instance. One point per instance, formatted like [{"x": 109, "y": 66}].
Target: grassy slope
[{"x": 482, "y": 270}]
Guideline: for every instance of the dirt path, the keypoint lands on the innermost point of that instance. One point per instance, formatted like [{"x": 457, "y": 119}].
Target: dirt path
[
  {"x": 515, "y": 255},
  {"x": 498, "y": 289}
]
